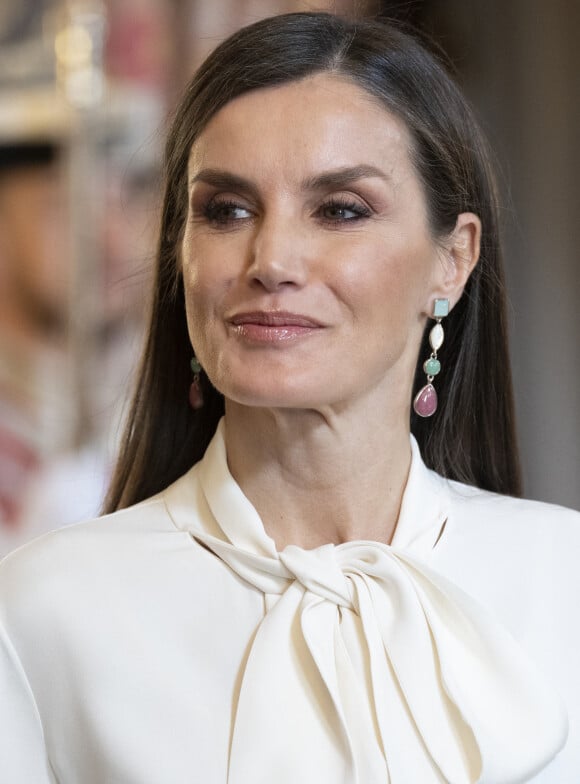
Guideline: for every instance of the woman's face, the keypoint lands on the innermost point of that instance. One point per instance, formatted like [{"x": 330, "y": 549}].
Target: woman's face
[{"x": 308, "y": 263}]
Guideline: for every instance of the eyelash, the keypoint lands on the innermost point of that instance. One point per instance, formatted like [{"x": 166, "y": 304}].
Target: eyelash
[
  {"x": 218, "y": 212},
  {"x": 359, "y": 210}
]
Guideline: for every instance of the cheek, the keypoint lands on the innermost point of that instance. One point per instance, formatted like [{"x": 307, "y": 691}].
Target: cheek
[
  {"x": 189, "y": 262},
  {"x": 209, "y": 261},
  {"x": 206, "y": 283},
  {"x": 193, "y": 286},
  {"x": 384, "y": 281},
  {"x": 198, "y": 264},
  {"x": 197, "y": 297}
]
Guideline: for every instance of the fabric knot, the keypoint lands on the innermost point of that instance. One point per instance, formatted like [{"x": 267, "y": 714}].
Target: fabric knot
[
  {"x": 320, "y": 573},
  {"x": 428, "y": 699},
  {"x": 415, "y": 681}
]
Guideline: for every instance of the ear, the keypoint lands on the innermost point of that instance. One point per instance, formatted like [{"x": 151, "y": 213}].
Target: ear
[{"x": 458, "y": 257}]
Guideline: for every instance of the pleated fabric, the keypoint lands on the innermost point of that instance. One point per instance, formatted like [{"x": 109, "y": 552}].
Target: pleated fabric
[{"x": 368, "y": 665}]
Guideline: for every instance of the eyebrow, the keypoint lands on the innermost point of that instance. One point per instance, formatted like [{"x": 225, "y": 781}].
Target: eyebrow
[
  {"x": 331, "y": 179},
  {"x": 343, "y": 176},
  {"x": 222, "y": 179}
]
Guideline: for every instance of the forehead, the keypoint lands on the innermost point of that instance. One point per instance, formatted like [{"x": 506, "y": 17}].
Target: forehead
[{"x": 323, "y": 121}]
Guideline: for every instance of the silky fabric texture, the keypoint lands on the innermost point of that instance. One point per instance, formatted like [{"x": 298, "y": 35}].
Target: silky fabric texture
[{"x": 171, "y": 643}]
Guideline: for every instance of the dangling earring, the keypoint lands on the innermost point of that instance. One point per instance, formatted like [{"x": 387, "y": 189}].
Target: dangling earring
[
  {"x": 425, "y": 402},
  {"x": 195, "y": 391}
]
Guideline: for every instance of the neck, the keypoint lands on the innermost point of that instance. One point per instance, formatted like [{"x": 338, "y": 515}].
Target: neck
[{"x": 318, "y": 477}]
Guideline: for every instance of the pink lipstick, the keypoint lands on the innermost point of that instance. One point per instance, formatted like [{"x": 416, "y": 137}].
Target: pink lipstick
[{"x": 271, "y": 327}]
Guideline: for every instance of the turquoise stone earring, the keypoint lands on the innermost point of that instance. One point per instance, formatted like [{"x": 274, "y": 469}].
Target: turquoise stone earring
[
  {"x": 425, "y": 402},
  {"x": 195, "y": 391}
]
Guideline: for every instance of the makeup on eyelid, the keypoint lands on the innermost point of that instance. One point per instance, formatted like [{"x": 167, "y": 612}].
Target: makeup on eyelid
[
  {"x": 219, "y": 211},
  {"x": 226, "y": 187}
]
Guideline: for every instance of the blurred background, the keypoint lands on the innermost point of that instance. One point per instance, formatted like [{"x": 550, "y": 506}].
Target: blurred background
[{"x": 86, "y": 87}]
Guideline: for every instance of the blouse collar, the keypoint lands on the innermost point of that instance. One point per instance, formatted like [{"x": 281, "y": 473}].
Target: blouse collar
[
  {"x": 448, "y": 695},
  {"x": 424, "y": 507}
]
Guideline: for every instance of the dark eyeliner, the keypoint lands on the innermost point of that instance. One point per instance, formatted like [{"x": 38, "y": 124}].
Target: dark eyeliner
[
  {"x": 359, "y": 210},
  {"x": 218, "y": 211}
]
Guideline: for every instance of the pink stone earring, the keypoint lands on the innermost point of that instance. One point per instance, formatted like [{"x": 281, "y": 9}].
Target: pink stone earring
[
  {"x": 425, "y": 402},
  {"x": 195, "y": 391}
]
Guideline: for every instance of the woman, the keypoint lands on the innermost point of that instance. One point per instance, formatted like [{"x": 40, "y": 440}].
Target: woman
[{"x": 289, "y": 593}]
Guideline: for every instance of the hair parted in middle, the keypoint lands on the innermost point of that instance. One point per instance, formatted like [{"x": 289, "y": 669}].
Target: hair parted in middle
[{"x": 472, "y": 437}]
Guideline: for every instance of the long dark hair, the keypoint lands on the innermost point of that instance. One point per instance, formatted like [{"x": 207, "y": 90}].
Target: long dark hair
[{"x": 471, "y": 438}]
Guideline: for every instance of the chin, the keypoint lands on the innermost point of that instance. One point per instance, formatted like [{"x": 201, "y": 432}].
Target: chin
[
  {"x": 263, "y": 399},
  {"x": 260, "y": 395},
  {"x": 275, "y": 387}
]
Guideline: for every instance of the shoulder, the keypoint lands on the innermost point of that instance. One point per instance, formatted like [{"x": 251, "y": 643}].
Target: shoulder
[
  {"x": 517, "y": 556},
  {"x": 519, "y": 559},
  {"x": 99, "y": 579},
  {"x": 502, "y": 542},
  {"x": 99, "y": 531},
  {"x": 82, "y": 557},
  {"x": 474, "y": 509}
]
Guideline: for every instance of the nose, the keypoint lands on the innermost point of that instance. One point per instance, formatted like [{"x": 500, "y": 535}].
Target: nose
[{"x": 277, "y": 258}]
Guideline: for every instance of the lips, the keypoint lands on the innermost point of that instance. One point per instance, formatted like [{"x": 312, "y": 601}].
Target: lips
[
  {"x": 274, "y": 319},
  {"x": 272, "y": 327}
]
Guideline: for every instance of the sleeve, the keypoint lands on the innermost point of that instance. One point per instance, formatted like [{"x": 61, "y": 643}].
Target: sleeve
[{"x": 23, "y": 757}]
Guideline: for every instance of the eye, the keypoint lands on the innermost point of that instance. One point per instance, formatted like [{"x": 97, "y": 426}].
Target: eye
[
  {"x": 342, "y": 211},
  {"x": 225, "y": 212}
]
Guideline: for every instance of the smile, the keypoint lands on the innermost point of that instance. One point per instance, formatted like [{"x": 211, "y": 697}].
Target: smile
[{"x": 271, "y": 327}]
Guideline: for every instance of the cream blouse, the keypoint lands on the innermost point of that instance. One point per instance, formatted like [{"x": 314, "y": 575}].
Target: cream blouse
[{"x": 170, "y": 643}]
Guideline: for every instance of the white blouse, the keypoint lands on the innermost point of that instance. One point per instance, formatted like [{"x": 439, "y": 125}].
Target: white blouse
[{"x": 170, "y": 643}]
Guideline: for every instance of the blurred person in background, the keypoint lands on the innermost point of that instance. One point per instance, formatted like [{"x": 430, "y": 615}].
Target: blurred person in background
[
  {"x": 34, "y": 283},
  {"x": 43, "y": 478},
  {"x": 77, "y": 185}
]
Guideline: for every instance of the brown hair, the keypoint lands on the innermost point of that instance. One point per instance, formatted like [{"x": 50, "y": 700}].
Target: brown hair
[{"x": 471, "y": 438}]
